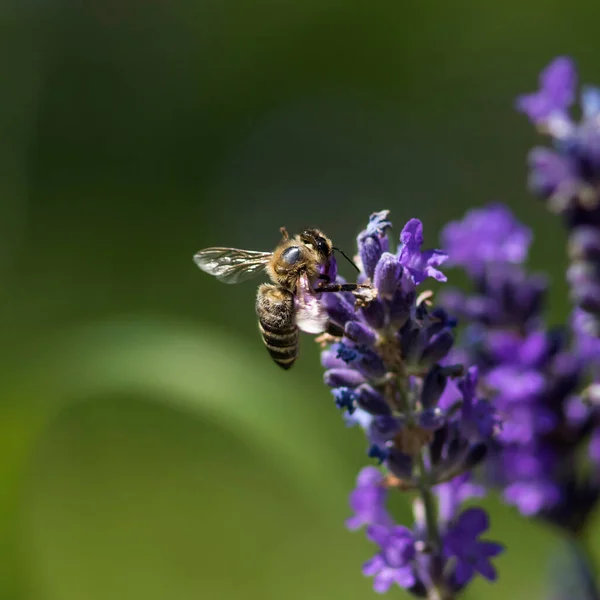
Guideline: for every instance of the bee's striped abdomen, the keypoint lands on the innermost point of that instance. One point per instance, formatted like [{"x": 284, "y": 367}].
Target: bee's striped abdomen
[
  {"x": 275, "y": 310},
  {"x": 282, "y": 345}
]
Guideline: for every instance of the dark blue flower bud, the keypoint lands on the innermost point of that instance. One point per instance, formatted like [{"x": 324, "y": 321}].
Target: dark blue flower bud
[
  {"x": 373, "y": 314},
  {"x": 340, "y": 311},
  {"x": 401, "y": 306},
  {"x": 346, "y": 353},
  {"x": 371, "y": 401},
  {"x": 360, "y": 333},
  {"x": 431, "y": 419},
  {"x": 434, "y": 385},
  {"x": 377, "y": 452},
  {"x": 400, "y": 464},
  {"x": 345, "y": 398},
  {"x": 411, "y": 342},
  {"x": 383, "y": 429},
  {"x": 437, "y": 348},
  {"x": 370, "y": 364}
]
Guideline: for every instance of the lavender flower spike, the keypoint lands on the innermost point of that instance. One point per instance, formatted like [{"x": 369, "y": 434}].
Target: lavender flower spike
[
  {"x": 567, "y": 177},
  {"x": 535, "y": 378},
  {"x": 388, "y": 372}
]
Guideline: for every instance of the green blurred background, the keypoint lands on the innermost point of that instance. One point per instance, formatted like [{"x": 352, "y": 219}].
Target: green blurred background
[{"x": 149, "y": 449}]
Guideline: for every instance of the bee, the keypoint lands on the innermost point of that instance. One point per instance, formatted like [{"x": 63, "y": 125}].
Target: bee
[{"x": 299, "y": 270}]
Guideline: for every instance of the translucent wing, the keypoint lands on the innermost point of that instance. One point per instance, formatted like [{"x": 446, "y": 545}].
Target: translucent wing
[
  {"x": 311, "y": 315},
  {"x": 231, "y": 265}
]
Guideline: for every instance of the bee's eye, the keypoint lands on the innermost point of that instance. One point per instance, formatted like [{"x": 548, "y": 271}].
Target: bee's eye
[
  {"x": 291, "y": 255},
  {"x": 322, "y": 245}
]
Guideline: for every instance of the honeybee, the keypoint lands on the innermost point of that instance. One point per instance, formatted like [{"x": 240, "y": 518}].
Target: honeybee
[{"x": 299, "y": 272}]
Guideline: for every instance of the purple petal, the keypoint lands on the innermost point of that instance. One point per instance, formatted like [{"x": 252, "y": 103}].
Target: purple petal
[
  {"x": 383, "y": 581},
  {"x": 490, "y": 549},
  {"x": 378, "y": 534},
  {"x": 405, "y": 577},
  {"x": 558, "y": 82},
  {"x": 373, "y": 566},
  {"x": 354, "y": 523},
  {"x": 486, "y": 569},
  {"x": 369, "y": 477},
  {"x": 412, "y": 234},
  {"x": 474, "y": 521},
  {"x": 464, "y": 573}
]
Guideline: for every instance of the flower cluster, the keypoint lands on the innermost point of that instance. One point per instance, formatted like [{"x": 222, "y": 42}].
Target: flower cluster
[
  {"x": 389, "y": 373},
  {"x": 567, "y": 176},
  {"x": 533, "y": 374},
  {"x": 513, "y": 405}
]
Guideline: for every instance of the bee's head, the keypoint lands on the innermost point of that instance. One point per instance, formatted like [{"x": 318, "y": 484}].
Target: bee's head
[{"x": 317, "y": 240}]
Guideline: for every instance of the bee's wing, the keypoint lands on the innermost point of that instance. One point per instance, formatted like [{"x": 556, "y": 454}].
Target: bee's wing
[
  {"x": 231, "y": 265},
  {"x": 311, "y": 315}
]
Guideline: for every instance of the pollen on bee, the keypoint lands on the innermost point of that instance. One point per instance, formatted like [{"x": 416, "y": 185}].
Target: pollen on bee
[{"x": 326, "y": 339}]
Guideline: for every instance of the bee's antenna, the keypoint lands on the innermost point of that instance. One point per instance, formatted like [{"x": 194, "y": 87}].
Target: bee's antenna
[{"x": 346, "y": 257}]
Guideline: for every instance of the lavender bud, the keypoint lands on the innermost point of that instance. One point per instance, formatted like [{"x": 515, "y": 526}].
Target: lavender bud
[
  {"x": 370, "y": 253},
  {"x": 372, "y": 401},
  {"x": 360, "y": 333},
  {"x": 437, "y": 348},
  {"x": 387, "y": 275},
  {"x": 343, "y": 378},
  {"x": 434, "y": 385}
]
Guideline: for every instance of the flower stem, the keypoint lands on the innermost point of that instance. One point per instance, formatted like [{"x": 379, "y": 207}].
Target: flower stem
[
  {"x": 438, "y": 590},
  {"x": 429, "y": 507}
]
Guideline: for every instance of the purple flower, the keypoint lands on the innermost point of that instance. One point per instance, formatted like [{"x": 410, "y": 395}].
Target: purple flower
[
  {"x": 420, "y": 265},
  {"x": 486, "y": 235},
  {"x": 532, "y": 377},
  {"x": 568, "y": 176},
  {"x": 472, "y": 555},
  {"x": 558, "y": 82},
  {"x": 368, "y": 500},
  {"x": 532, "y": 496},
  {"x": 394, "y": 562},
  {"x": 388, "y": 370}
]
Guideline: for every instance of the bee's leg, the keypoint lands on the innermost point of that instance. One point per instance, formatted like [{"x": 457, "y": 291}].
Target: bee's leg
[
  {"x": 334, "y": 333},
  {"x": 341, "y": 287},
  {"x": 335, "y": 330},
  {"x": 324, "y": 277}
]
